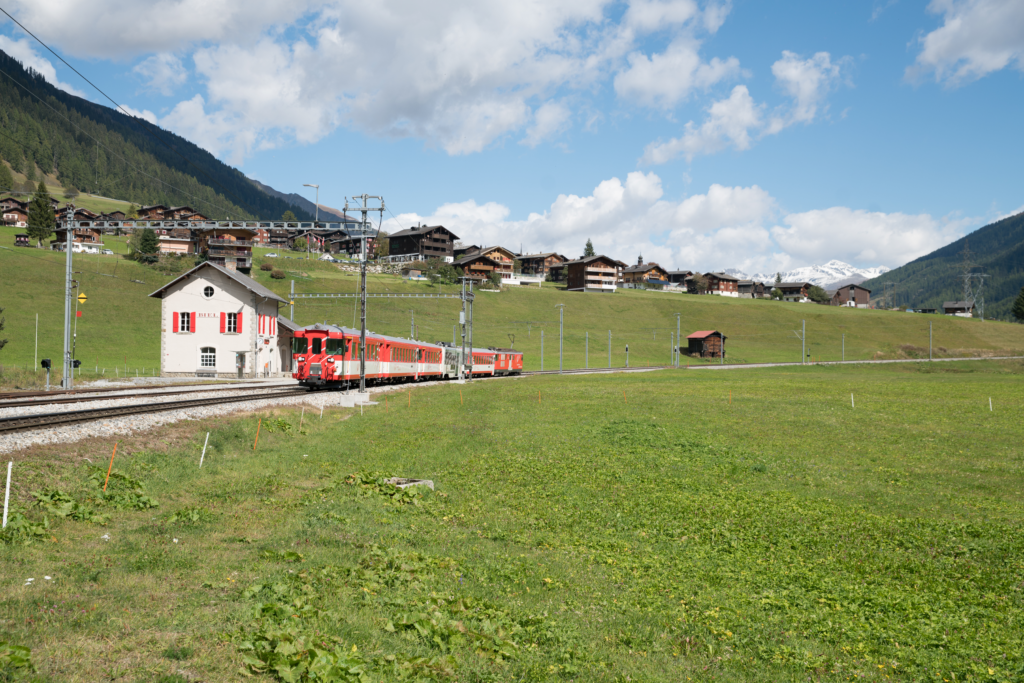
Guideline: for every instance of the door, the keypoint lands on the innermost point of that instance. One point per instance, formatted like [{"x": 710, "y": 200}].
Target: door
[{"x": 240, "y": 364}]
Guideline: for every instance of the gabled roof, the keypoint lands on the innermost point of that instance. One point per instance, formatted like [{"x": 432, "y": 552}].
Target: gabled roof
[
  {"x": 591, "y": 259},
  {"x": 722, "y": 276},
  {"x": 468, "y": 258},
  {"x": 643, "y": 268},
  {"x": 244, "y": 280},
  {"x": 958, "y": 304},
  {"x": 544, "y": 255},
  {"x": 794, "y": 284},
  {"x": 422, "y": 230},
  {"x": 680, "y": 272},
  {"x": 704, "y": 334}
]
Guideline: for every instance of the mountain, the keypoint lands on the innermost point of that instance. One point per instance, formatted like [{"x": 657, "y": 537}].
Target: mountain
[
  {"x": 832, "y": 275},
  {"x": 997, "y": 250},
  {"x": 44, "y": 130},
  {"x": 326, "y": 212}
]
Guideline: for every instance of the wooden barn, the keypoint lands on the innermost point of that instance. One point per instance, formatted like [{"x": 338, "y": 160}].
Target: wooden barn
[{"x": 706, "y": 344}]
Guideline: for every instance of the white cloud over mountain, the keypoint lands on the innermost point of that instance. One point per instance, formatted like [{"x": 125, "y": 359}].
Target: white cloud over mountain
[
  {"x": 726, "y": 227},
  {"x": 24, "y": 51},
  {"x": 977, "y": 37}
]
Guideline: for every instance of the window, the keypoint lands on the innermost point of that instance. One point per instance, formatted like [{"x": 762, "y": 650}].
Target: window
[
  {"x": 208, "y": 291},
  {"x": 185, "y": 322},
  {"x": 336, "y": 347},
  {"x": 207, "y": 357},
  {"x": 299, "y": 345},
  {"x": 232, "y": 322}
]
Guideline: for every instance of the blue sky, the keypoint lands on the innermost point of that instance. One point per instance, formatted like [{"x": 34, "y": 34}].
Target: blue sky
[{"x": 704, "y": 135}]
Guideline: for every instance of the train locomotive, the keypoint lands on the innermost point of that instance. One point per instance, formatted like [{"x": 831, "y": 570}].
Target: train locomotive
[{"x": 327, "y": 357}]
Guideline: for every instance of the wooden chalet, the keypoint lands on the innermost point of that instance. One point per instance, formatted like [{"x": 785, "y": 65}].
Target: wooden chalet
[
  {"x": 21, "y": 240},
  {"x": 154, "y": 212},
  {"x": 541, "y": 264},
  {"x": 751, "y": 289},
  {"x": 706, "y": 344},
  {"x": 15, "y": 216},
  {"x": 229, "y": 248},
  {"x": 422, "y": 243},
  {"x": 504, "y": 259},
  {"x": 459, "y": 252},
  {"x": 795, "y": 291},
  {"x": 722, "y": 284},
  {"x": 644, "y": 273},
  {"x": 961, "y": 309},
  {"x": 83, "y": 235},
  {"x": 478, "y": 266},
  {"x": 351, "y": 246},
  {"x": 853, "y": 296},
  {"x": 678, "y": 277},
  {"x": 591, "y": 274},
  {"x": 111, "y": 216}
]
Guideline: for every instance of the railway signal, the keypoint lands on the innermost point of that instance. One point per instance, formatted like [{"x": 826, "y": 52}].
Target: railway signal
[{"x": 82, "y": 298}]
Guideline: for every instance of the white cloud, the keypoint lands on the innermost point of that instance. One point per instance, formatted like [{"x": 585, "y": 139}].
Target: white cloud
[
  {"x": 549, "y": 120},
  {"x": 807, "y": 82},
  {"x": 726, "y": 227},
  {"x": 666, "y": 79},
  {"x": 164, "y": 72},
  {"x": 733, "y": 122},
  {"x": 863, "y": 237},
  {"x": 23, "y": 51},
  {"x": 729, "y": 122},
  {"x": 977, "y": 37},
  {"x": 145, "y": 114}
]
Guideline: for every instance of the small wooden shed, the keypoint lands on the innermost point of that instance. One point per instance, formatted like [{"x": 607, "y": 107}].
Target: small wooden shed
[{"x": 706, "y": 344}]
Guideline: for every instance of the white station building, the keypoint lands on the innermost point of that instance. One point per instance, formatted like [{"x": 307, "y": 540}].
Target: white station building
[{"x": 216, "y": 322}]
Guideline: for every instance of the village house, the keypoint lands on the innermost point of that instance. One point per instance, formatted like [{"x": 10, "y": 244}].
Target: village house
[
  {"x": 352, "y": 246},
  {"x": 591, "y": 274},
  {"x": 794, "y": 291},
  {"x": 678, "y": 277},
  {"x": 15, "y": 213},
  {"x": 220, "y": 323},
  {"x": 722, "y": 284},
  {"x": 706, "y": 344},
  {"x": 853, "y": 296},
  {"x": 477, "y": 266},
  {"x": 86, "y": 238},
  {"x": 229, "y": 248},
  {"x": 961, "y": 309},
  {"x": 461, "y": 250},
  {"x": 749, "y": 289},
  {"x": 154, "y": 212},
  {"x": 177, "y": 241},
  {"x": 636, "y": 277},
  {"x": 504, "y": 260},
  {"x": 422, "y": 243},
  {"x": 540, "y": 264}
]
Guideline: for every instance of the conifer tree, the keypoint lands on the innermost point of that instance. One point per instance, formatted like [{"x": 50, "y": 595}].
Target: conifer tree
[
  {"x": 148, "y": 246},
  {"x": 41, "y": 220},
  {"x": 589, "y": 249},
  {"x": 288, "y": 217},
  {"x": 6, "y": 179},
  {"x": 1018, "y": 306}
]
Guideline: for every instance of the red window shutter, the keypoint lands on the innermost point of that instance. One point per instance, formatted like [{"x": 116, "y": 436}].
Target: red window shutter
[
  {"x": 273, "y": 326},
  {"x": 192, "y": 322},
  {"x": 223, "y": 322},
  {"x": 238, "y": 323},
  {"x": 174, "y": 322}
]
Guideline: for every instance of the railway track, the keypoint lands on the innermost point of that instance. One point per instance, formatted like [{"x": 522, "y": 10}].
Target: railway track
[
  {"x": 591, "y": 371},
  {"x": 42, "y": 400},
  {"x": 5, "y": 395},
  {"x": 20, "y": 423}
]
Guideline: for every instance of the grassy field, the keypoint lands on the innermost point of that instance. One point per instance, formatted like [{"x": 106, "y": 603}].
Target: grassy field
[
  {"x": 669, "y": 526},
  {"x": 119, "y": 322}
]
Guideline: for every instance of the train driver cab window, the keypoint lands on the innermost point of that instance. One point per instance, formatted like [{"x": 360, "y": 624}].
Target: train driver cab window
[
  {"x": 317, "y": 346},
  {"x": 299, "y": 345},
  {"x": 336, "y": 347}
]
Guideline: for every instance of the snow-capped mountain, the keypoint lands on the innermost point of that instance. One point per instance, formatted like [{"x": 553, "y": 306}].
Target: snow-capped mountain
[{"x": 831, "y": 275}]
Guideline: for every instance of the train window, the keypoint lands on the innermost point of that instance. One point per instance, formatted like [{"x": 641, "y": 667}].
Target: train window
[
  {"x": 335, "y": 347},
  {"x": 299, "y": 345},
  {"x": 317, "y": 346},
  {"x": 355, "y": 349}
]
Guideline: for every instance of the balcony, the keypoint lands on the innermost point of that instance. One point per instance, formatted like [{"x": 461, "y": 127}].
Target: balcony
[{"x": 230, "y": 243}]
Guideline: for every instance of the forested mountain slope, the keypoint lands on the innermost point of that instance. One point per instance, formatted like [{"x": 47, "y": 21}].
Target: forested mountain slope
[
  {"x": 96, "y": 149},
  {"x": 996, "y": 249}
]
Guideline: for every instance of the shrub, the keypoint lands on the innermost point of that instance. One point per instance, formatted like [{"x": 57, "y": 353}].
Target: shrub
[
  {"x": 277, "y": 274},
  {"x": 266, "y": 267}
]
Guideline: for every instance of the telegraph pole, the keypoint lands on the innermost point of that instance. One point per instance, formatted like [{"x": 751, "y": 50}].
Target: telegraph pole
[
  {"x": 470, "y": 325},
  {"x": 609, "y": 349},
  {"x": 412, "y": 323},
  {"x": 679, "y": 340},
  {"x": 364, "y": 209},
  {"x": 561, "y": 310},
  {"x": 67, "y": 380},
  {"x": 291, "y": 303}
]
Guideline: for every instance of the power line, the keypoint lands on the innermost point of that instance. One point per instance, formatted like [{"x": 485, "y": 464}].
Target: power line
[
  {"x": 124, "y": 111},
  {"x": 83, "y": 132}
]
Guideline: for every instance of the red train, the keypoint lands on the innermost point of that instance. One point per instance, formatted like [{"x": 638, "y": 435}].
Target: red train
[{"x": 327, "y": 356}]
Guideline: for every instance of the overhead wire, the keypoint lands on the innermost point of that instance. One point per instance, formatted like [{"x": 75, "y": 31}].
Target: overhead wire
[
  {"x": 83, "y": 132},
  {"x": 125, "y": 112}
]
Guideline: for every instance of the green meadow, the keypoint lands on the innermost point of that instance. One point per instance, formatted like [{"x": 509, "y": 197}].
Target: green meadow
[
  {"x": 119, "y": 322},
  {"x": 670, "y": 526}
]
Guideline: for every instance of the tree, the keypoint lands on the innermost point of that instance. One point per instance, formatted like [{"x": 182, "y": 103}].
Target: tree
[
  {"x": 71, "y": 192},
  {"x": 133, "y": 211},
  {"x": 700, "y": 283},
  {"x": 6, "y": 179},
  {"x": 1018, "y": 306},
  {"x": 778, "y": 278},
  {"x": 817, "y": 294},
  {"x": 382, "y": 245},
  {"x": 3, "y": 342},
  {"x": 289, "y": 217},
  {"x": 589, "y": 249},
  {"x": 777, "y": 294},
  {"x": 495, "y": 279},
  {"x": 300, "y": 244},
  {"x": 149, "y": 247},
  {"x": 41, "y": 220}
]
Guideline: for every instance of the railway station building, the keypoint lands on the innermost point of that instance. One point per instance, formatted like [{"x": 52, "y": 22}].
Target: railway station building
[{"x": 218, "y": 322}]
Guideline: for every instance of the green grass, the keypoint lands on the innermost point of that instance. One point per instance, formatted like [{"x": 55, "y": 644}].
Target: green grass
[
  {"x": 668, "y": 526},
  {"x": 121, "y": 320}
]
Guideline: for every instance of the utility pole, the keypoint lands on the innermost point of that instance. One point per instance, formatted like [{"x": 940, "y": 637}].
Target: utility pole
[
  {"x": 470, "y": 325},
  {"x": 364, "y": 209},
  {"x": 291, "y": 303},
  {"x": 316, "y": 214},
  {"x": 844, "y": 345},
  {"x": 561, "y": 310},
  {"x": 679, "y": 340},
  {"x": 412, "y": 324},
  {"x": 67, "y": 380},
  {"x": 586, "y": 353},
  {"x": 929, "y": 340},
  {"x": 609, "y": 349},
  {"x": 462, "y": 324},
  {"x": 542, "y": 350}
]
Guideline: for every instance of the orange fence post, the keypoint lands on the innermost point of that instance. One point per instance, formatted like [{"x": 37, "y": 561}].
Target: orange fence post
[
  {"x": 410, "y": 398},
  {"x": 461, "y": 402},
  {"x": 624, "y": 396},
  {"x": 257, "y": 434},
  {"x": 110, "y": 469}
]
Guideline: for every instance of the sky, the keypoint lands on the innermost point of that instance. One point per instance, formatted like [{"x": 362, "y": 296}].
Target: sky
[{"x": 698, "y": 135}]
